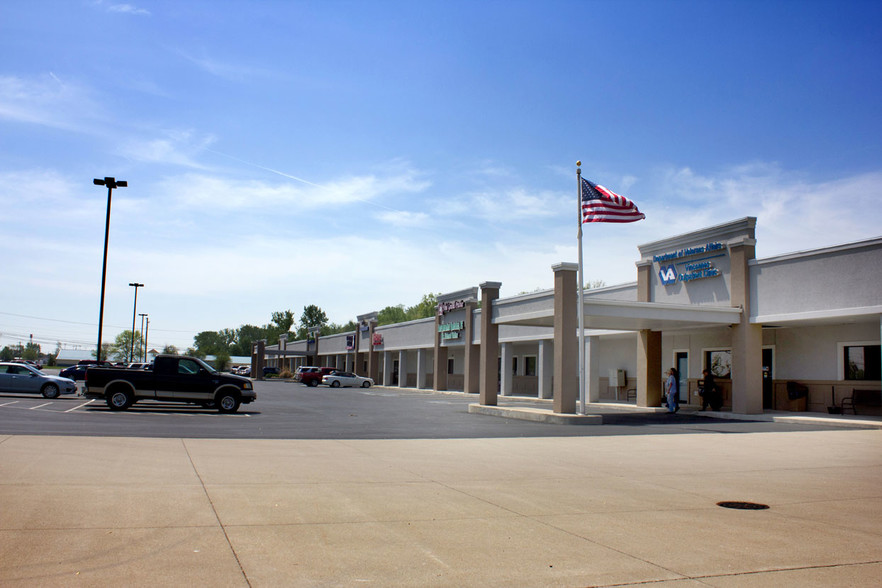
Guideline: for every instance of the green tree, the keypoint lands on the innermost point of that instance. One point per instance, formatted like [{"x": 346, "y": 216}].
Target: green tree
[
  {"x": 312, "y": 316},
  {"x": 284, "y": 320},
  {"x": 31, "y": 351},
  {"x": 246, "y": 335},
  {"x": 221, "y": 361},
  {"x": 391, "y": 315},
  {"x": 210, "y": 343},
  {"x": 170, "y": 350},
  {"x": 121, "y": 349},
  {"x": 427, "y": 307},
  {"x": 7, "y": 354}
]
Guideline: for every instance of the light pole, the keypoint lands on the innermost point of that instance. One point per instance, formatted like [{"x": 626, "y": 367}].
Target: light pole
[
  {"x": 141, "y": 347},
  {"x": 111, "y": 183},
  {"x": 134, "y": 311},
  {"x": 145, "y": 338}
]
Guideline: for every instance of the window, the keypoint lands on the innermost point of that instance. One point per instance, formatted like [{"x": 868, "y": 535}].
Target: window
[
  {"x": 450, "y": 365},
  {"x": 530, "y": 365},
  {"x": 719, "y": 363},
  {"x": 514, "y": 365},
  {"x": 862, "y": 362}
]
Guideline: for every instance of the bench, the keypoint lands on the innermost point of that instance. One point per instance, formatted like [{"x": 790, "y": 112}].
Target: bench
[{"x": 863, "y": 398}]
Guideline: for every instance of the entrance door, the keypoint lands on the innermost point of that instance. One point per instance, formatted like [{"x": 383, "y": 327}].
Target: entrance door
[
  {"x": 768, "y": 388},
  {"x": 394, "y": 372},
  {"x": 681, "y": 358}
]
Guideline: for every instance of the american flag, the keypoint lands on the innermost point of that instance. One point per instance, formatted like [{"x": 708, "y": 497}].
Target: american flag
[{"x": 600, "y": 205}]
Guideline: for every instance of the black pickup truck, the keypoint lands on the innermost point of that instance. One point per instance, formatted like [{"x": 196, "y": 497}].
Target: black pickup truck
[{"x": 174, "y": 378}]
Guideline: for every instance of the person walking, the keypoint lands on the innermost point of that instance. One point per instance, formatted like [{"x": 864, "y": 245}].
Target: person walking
[
  {"x": 672, "y": 390},
  {"x": 709, "y": 394}
]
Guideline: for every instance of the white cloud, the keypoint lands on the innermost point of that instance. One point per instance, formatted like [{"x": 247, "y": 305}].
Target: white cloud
[
  {"x": 45, "y": 100},
  {"x": 128, "y": 9},
  {"x": 176, "y": 147}
]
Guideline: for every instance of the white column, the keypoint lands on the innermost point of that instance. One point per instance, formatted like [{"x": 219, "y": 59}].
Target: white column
[
  {"x": 506, "y": 379},
  {"x": 422, "y": 365},
  {"x": 402, "y": 368},
  {"x": 545, "y": 368},
  {"x": 592, "y": 370},
  {"x": 387, "y": 368}
]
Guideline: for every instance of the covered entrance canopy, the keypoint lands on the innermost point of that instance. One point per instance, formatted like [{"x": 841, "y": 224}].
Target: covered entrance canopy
[{"x": 620, "y": 315}]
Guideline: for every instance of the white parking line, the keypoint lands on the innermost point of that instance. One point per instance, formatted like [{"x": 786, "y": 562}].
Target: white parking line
[
  {"x": 81, "y": 405},
  {"x": 40, "y": 406},
  {"x": 8, "y": 403}
]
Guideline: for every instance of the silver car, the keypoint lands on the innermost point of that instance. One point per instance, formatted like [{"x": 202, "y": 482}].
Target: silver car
[{"x": 20, "y": 377}]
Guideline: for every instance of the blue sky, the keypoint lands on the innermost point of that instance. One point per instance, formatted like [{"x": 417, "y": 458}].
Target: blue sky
[{"x": 356, "y": 155}]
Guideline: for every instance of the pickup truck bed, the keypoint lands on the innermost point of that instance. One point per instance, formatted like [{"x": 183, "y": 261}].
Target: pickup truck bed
[{"x": 174, "y": 378}]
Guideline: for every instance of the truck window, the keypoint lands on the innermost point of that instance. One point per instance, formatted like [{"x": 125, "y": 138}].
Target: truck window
[{"x": 188, "y": 366}]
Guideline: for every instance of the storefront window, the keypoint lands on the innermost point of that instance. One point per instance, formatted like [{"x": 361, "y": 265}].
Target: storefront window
[
  {"x": 530, "y": 365},
  {"x": 862, "y": 362},
  {"x": 719, "y": 363}
]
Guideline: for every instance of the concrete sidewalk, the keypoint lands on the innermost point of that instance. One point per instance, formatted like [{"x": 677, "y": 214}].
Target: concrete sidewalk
[{"x": 563, "y": 511}]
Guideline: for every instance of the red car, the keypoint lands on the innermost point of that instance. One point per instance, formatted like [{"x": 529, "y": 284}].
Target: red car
[{"x": 311, "y": 375}]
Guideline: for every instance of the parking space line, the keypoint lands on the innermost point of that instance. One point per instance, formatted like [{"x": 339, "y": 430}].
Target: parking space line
[
  {"x": 40, "y": 406},
  {"x": 8, "y": 403},
  {"x": 81, "y": 405}
]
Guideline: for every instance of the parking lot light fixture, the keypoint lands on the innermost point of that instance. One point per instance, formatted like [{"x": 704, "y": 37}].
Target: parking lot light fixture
[
  {"x": 141, "y": 346},
  {"x": 134, "y": 312},
  {"x": 111, "y": 183}
]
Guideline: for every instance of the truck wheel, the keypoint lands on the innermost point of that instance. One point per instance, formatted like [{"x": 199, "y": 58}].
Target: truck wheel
[
  {"x": 313, "y": 383},
  {"x": 227, "y": 402},
  {"x": 50, "y": 391},
  {"x": 119, "y": 399}
]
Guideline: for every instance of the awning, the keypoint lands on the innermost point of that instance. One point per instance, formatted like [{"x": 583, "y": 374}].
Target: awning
[{"x": 626, "y": 315}]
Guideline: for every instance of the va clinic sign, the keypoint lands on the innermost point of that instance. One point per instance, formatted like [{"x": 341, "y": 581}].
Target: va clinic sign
[{"x": 693, "y": 269}]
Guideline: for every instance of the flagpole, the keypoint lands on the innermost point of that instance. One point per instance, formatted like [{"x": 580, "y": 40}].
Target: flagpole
[{"x": 581, "y": 305}]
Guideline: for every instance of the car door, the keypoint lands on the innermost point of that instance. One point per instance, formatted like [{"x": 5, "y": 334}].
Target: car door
[
  {"x": 348, "y": 379},
  {"x": 193, "y": 382},
  {"x": 7, "y": 380},
  {"x": 24, "y": 380}
]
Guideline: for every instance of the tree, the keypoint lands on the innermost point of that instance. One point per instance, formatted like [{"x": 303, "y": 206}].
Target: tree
[
  {"x": 426, "y": 308},
  {"x": 221, "y": 361},
  {"x": 7, "y": 354},
  {"x": 391, "y": 315},
  {"x": 284, "y": 320},
  {"x": 170, "y": 350},
  {"x": 246, "y": 335},
  {"x": 210, "y": 343},
  {"x": 312, "y": 316},
  {"x": 121, "y": 349}
]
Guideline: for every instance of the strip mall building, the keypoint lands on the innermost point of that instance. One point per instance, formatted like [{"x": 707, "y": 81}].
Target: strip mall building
[{"x": 701, "y": 301}]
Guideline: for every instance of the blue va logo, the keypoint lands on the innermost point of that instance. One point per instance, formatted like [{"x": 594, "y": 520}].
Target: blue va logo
[{"x": 667, "y": 274}]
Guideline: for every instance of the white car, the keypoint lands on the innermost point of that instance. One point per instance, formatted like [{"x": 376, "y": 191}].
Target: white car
[{"x": 337, "y": 379}]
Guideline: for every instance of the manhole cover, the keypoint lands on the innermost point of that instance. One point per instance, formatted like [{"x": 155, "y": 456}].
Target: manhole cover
[{"x": 743, "y": 505}]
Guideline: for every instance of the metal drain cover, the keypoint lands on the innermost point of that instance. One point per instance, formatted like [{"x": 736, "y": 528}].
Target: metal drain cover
[{"x": 742, "y": 505}]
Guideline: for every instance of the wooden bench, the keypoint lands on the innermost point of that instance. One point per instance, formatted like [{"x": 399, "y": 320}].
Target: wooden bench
[{"x": 863, "y": 398}]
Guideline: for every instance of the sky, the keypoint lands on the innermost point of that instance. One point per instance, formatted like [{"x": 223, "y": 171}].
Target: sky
[{"x": 358, "y": 155}]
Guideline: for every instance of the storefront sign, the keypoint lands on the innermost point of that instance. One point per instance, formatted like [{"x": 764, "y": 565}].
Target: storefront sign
[
  {"x": 451, "y": 330},
  {"x": 350, "y": 342},
  {"x": 445, "y": 307},
  {"x": 694, "y": 269},
  {"x": 378, "y": 339}
]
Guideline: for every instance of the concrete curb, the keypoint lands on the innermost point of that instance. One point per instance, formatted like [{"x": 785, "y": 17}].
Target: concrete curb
[{"x": 537, "y": 415}]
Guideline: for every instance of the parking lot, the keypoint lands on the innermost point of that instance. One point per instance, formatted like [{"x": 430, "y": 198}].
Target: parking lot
[{"x": 288, "y": 410}]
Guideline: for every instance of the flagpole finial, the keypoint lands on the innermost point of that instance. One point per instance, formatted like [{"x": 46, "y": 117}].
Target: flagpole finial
[{"x": 578, "y": 164}]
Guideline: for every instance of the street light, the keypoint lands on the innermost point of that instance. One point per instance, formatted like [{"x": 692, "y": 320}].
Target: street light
[
  {"x": 141, "y": 346},
  {"x": 134, "y": 311},
  {"x": 111, "y": 183}
]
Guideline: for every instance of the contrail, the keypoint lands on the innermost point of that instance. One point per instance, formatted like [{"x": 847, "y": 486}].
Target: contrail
[{"x": 289, "y": 176}]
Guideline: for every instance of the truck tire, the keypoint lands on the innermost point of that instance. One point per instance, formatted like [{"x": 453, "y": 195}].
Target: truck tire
[
  {"x": 50, "y": 391},
  {"x": 119, "y": 399},
  {"x": 228, "y": 401}
]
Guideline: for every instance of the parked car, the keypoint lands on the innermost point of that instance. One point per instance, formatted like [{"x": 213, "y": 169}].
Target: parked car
[
  {"x": 245, "y": 370},
  {"x": 346, "y": 379},
  {"x": 74, "y": 372},
  {"x": 21, "y": 377},
  {"x": 267, "y": 370},
  {"x": 311, "y": 375}
]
